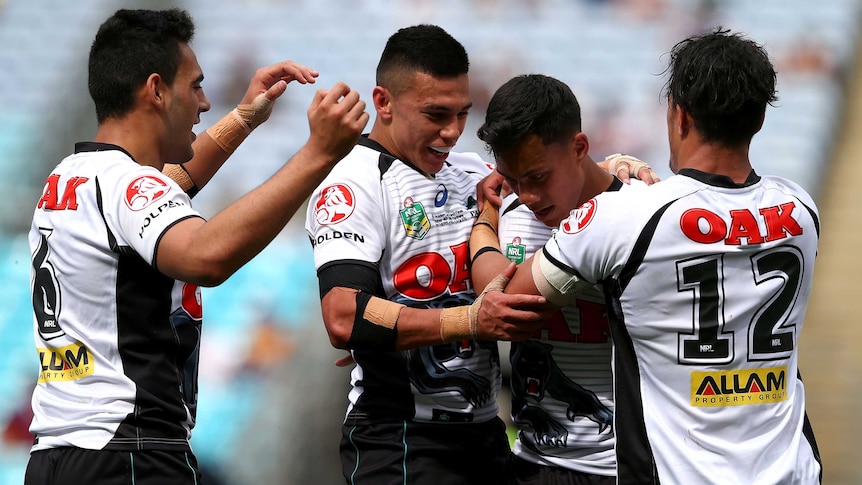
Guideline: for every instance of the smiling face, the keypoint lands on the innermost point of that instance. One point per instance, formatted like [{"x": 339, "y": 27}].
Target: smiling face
[
  {"x": 422, "y": 122},
  {"x": 547, "y": 178},
  {"x": 185, "y": 101}
]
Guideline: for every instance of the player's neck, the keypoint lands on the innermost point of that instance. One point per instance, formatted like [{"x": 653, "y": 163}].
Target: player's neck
[
  {"x": 596, "y": 181},
  {"x": 732, "y": 162},
  {"x": 133, "y": 138}
]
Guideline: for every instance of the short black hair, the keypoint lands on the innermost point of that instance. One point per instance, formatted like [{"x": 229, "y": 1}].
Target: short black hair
[
  {"x": 129, "y": 47},
  {"x": 724, "y": 81},
  {"x": 421, "y": 48},
  {"x": 530, "y": 104}
]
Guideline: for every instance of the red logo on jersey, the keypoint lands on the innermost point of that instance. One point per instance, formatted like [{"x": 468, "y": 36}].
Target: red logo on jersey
[
  {"x": 580, "y": 217},
  {"x": 335, "y": 204},
  {"x": 706, "y": 227},
  {"x": 69, "y": 201},
  {"x": 192, "y": 301},
  {"x": 145, "y": 190}
]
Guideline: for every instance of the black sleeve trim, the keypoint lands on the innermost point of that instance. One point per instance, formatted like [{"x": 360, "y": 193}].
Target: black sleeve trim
[{"x": 350, "y": 273}]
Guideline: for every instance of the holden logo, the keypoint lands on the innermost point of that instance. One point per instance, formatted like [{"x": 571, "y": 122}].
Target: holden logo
[
  {"x": 580, "y": 217},
  {"x": 335, "y": 204},
  {"x": 145, "y": 190}
]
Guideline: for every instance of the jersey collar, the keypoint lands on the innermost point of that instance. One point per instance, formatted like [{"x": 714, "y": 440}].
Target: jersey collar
[
  {"x": 92, "y": 146},
  {"x": 719, "y": 180}
]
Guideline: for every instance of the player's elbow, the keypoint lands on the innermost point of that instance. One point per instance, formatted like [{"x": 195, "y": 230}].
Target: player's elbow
[
  {"x": 208, "y": 274},
  {"x": 338, "y": 330},
  {"x": 338, "y": 308}
]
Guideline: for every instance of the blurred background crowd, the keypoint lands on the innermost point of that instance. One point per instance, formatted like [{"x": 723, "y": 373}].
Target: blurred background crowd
[{"x": 271, "y": 400}]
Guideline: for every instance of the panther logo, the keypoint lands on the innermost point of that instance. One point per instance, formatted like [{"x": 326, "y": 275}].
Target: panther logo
[
  {"x": 535, "y": 375},
  {"x": 429, "y": 373}
]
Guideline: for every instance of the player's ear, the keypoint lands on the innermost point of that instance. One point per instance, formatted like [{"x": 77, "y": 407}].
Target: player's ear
[
  {"x": 382, "y": 99},
  {"x": 580, "y": 145},
  {"x": 154, "y": 89},
  {"x": 683, "y": 123}
]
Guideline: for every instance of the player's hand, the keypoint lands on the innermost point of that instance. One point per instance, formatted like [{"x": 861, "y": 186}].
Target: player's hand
[
  {"x": 513, "y": 317},
  {"x": 255, "y": 109},
  {"x": 336, "y": 118},
  {"x": 345, "y": 361},
  {"x": 491, "y": 189},
  {"x": 626, "y": 167}
]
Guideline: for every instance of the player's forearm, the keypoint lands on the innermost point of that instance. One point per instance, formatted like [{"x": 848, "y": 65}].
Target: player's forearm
[
  {"x": 486, "y": 267},
  {"x": 208, "y": 159},
  {"x": 217, "y": 248},
  {"x": 357, "y": 320},
  {"x": 418, "y": 327}
]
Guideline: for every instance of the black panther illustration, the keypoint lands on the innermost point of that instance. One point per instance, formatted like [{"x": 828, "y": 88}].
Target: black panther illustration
[
  {"x": 429, "y": 373},
  {"x": 535, "y": 375}
]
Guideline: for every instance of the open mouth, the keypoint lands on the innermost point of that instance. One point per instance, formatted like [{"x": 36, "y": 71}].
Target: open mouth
[
  {"x": 532, "y": 387},
  {"x": 441, "y": 152},
  {"x": 542, "y": 213}
]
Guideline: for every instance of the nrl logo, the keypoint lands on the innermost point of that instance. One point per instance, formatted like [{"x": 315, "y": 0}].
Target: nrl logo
[
  {"x": 416, "y": 223},
  {"x": 580, "y": 217},
  {"x": 515, "y": 251}
]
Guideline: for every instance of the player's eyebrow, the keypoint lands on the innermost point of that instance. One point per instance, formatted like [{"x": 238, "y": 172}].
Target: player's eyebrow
[{"x": 440, "y": 107}]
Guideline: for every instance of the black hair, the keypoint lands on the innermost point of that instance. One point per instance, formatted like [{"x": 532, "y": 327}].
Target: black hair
[
  {"x": 724, "y": 81},
  {"x": 129, "y": 47},
  {"x": 530, "y": 104},
  {"x": 420, "y": 48}
]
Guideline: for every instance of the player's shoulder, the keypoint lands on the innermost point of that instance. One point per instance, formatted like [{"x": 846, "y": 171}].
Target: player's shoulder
[
  {"x": 469, "y": 162},
  {"x": 789, "y": 187}
]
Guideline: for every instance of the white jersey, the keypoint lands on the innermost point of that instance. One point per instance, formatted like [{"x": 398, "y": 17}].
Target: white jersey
[
  {"x": 562, "y": 384},
  {"x": 412, "y": 229},
  {"x": 708, "y": 283},
  {"x": 117, "y": 340}
]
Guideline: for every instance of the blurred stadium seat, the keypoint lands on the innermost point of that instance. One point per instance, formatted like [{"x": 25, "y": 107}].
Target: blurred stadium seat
[{"x": 608, "y": 51}]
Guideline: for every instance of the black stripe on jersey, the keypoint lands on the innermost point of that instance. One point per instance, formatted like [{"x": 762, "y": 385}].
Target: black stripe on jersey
[
  {"x": 813, "y": 217},
  {"x": 641, "y": 246},
  {"x": 514, "y": 205},
  {"x": 350, "y": 273},
  {"x": 562, "y": 266},
  {"x": 386, "y": 159},
  {"x": 809, "y": 434},
  {"x": 635, "y": 461},
  {"x": 150, "y": 349},
  {"x": 112, "y": 241},
  {"x": 616, "y": 185}
]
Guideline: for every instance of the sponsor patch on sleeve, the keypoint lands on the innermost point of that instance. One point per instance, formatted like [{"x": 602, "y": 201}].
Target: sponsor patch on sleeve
[
  {"x": 580, "y": 218},
  {"x": 144, "y": 191},
  {"x": 335, "y": 204}
]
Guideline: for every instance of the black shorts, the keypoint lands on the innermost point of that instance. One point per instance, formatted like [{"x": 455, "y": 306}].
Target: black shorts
[
  {"x": 66, "y": 465},
  {"x": 523, "y": 472},
  {"x": 412, "y": 453}
]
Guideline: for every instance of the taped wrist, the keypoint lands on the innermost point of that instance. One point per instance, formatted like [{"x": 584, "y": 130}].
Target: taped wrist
[
  {"x": 181, "y": 176},
  {"x": 462, "y": 322},
  {"x": 375, "y": 323},
  {"x": 459, "y": 323},
  {"x": 484, "y": 237},
  {"x": 229, "y": 131}
]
